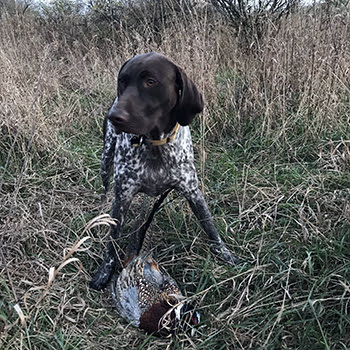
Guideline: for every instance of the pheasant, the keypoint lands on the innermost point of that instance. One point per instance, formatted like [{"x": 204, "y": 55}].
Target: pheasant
[
  {"x": 147, "y": 297},
  {"x": 145, "y": 294}
]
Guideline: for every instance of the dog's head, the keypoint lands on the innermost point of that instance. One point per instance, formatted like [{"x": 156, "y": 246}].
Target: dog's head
[{"x": 153, "y": 94}]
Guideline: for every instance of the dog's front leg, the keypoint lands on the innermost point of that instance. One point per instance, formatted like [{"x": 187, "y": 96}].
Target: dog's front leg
[
  {"x": 120, "y": 206},
  {"x": 106, "y": 168},
  {"x": 200, "y": 209}
]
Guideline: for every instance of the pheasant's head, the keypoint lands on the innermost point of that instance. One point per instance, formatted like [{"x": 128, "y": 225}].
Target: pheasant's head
[{"x": 164, "y": 320}]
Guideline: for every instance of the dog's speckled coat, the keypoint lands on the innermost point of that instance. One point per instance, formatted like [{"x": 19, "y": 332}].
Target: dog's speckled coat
[{"x": 150, "y": 169}]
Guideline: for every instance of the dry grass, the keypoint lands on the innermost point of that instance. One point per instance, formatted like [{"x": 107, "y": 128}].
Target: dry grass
[{"x": 273, "y": 149}]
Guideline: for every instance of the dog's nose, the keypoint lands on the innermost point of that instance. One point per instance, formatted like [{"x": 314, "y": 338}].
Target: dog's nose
[{"x": 118, "y": 116}]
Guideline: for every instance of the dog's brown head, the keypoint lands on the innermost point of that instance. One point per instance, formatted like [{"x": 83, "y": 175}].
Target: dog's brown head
[{"x": 153, "y": 94}]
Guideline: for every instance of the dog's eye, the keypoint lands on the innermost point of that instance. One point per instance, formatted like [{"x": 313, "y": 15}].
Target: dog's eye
[{"x": 150, "y": 82}]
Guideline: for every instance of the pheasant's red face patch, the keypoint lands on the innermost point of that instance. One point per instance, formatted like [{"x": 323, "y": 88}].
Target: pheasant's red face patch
[{"x": 194, "y": 320}]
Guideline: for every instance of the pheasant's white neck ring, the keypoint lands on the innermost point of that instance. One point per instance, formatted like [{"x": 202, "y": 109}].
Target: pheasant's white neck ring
[{"x": 177, "y": 311}]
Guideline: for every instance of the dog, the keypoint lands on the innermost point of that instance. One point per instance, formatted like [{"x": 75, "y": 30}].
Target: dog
[{"x": 148, "y": 147}]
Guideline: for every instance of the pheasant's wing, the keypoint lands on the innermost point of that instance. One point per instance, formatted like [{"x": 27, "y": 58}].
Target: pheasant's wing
[
  {"x": 140, "y": 285},
  {"x": 125, "y": 292},
  {"x": 170, "y": 290}
]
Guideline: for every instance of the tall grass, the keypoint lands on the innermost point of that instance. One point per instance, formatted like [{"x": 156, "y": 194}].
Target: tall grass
[{"x": 273, "y": 151}]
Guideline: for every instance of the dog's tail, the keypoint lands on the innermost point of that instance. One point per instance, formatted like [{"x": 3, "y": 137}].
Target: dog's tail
[{"x": 141, "y": 242}]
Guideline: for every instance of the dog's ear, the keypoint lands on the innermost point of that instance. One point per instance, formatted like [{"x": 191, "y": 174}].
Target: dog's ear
[{"x": 190, "y": 101}]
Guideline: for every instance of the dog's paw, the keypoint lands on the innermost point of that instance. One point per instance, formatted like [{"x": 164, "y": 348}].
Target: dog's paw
[
  {"x": 103, "y": 275},
  {"x": 222, "y": 253}
]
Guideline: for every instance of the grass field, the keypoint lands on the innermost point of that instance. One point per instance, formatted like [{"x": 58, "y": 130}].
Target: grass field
[{"x": 273, "y": 156}]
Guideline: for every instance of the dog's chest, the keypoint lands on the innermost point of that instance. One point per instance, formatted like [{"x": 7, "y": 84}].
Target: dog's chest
[{"x": 154, "y": 169}]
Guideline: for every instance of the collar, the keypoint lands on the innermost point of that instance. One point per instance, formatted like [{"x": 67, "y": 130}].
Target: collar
[{"x": 137, "y": 140}]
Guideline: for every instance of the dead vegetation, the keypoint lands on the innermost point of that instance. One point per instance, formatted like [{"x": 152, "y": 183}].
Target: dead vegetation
[{"x": 273, "y": 150}]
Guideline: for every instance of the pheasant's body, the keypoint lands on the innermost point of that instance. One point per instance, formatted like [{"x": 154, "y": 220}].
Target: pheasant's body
[{"x": 143, "y": 293}]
